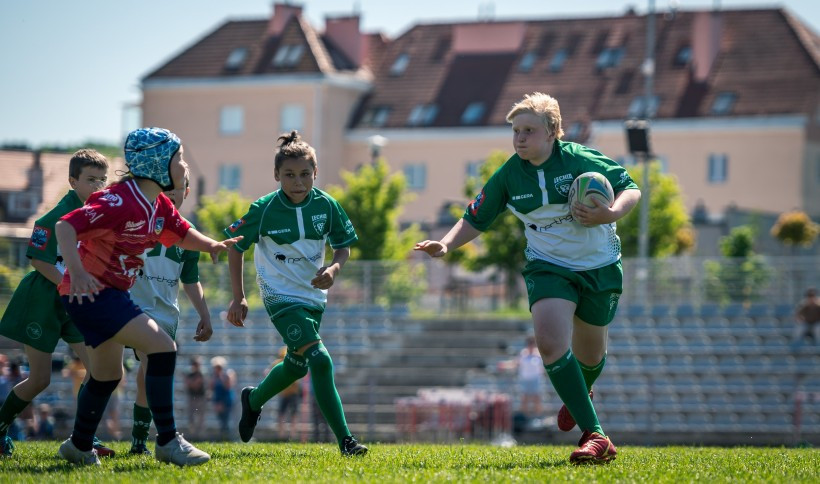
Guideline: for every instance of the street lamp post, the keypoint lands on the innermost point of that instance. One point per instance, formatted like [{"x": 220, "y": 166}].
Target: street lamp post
[{"x": 376, "y": 143}]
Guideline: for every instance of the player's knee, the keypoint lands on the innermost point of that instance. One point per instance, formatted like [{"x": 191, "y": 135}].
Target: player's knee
[
  {"x": 295, "y": 365},
  {"x": 39, "y": 382},
  {"x": 318, "y": 358}
]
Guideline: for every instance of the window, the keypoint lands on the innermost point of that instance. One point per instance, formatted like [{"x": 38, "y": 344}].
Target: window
[
  {"x": 288, "y": 55},
  {"x": 609, "y": 57},
  {"x": 236, "y": 58},
  {"x": 723, "y": 103},
  {"x": 473, "y": 168},
  {"x": 718, "y": 168},
  {"x": 376, "y": 116},
  {"x": 416, "y": 176},
  {"x": 422, "y": 115},
  {"x": 527, "y": 62},
  {"x": 400, "y": 65},
  {"x": 473, "y": 113},
  {"x": 230, "y": 176},
  {"x": 683, "y": 56},
  {"x": 292, "y": 116},
  {"x": 575, "y": 131},
  {"x": 231, "y": 120},
  {"x": 639, "y": 108},
  {"x": 557, "y": 62}
]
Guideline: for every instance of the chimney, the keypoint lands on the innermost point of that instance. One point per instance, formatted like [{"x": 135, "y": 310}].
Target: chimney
[
  {"x": 282, "y": 12},
  {"x": 345, "y": 33},
  {"x": 707, "y": 30}
]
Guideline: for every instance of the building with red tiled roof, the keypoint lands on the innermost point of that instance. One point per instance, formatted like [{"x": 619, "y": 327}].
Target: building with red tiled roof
[{"x": 735, "y": 107}]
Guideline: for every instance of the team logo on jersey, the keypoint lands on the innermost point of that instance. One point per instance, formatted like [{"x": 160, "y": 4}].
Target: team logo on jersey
[
  {"x": 562, "y": 183},
  {"x": 479, "y": 199},
  {"x": 294, "y": 332},
  {"x": 132, "y": 226},
  {"x": 39, "y": 237},
  {"x": 348, "y": 227},
  {"x": 113, "y": 199},
  {"x": 235, "y": 226},
  {"x": 319, "y": 222},
  {"x": 159, "y": 225},
  {"x": 34, "y": 331}
]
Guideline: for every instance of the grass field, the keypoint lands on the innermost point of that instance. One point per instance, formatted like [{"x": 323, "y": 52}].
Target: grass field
[{"x": 232, "y": 462}]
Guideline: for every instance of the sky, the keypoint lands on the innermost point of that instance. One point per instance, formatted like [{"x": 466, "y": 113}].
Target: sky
[{"x": 71, "y": 69}]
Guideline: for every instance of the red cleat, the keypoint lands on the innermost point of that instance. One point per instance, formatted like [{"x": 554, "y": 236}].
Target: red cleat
[
  {"x": 102, "y": 450},
  {"x": 594, "y": 448},
  {"x": 565, "y": 420}
]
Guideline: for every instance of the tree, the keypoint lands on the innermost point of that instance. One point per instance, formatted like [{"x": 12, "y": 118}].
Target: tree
[
  {"x": 503, "y": 245},
  {"x": 219, "y": 211},
  {"x": 795, "y": 228},
  {"x": 373, "y": 199},
  {"x": 742, "y": 274},
  {"x": 670, "y": 231}
]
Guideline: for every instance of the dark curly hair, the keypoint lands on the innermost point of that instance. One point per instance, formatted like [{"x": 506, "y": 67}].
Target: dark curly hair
[{"x": 292, "y": 146}]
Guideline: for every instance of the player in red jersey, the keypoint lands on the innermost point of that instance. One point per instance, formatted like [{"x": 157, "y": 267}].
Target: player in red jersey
[{"x": 114, "y": 229}]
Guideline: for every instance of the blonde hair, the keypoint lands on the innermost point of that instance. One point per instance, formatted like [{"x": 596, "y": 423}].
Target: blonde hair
[{"x": 545, "y": 107}]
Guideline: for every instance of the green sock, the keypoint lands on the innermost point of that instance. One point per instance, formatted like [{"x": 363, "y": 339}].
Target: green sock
[
  {"x": 142, "y": 424},
  {"x": 281, "y": 376},
  {"x": 324, "y": 390},
  {"x": 9, "y": 411},
  {"x": 591, "y": 373},
  {"x": 568, "y": 381}
]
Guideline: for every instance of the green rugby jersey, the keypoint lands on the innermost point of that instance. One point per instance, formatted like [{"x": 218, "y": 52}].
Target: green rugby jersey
[
  {"x": 537, "y": 195},
  {"x": 291, "y": 243},
  {"x": 43, "y": 242}
]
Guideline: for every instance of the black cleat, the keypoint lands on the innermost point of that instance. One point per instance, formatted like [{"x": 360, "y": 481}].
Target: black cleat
[
  {"x": 350, "y": 446},
  {"x": 140, "y": 449},
  {"x": 247, "y": 423}
]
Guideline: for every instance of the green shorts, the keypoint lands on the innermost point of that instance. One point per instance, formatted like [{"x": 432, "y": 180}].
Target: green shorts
[
  {"x": 298, "y": 324},
  {"x": 36, "y": 317},
  {"x": 595, "y": 292}
]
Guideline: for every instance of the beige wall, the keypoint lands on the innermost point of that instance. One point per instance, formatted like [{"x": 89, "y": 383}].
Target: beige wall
[{"x": 193, "y": 112}]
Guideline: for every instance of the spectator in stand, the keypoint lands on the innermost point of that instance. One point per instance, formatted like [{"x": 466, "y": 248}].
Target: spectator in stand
[
  {"x": 195, "y": 389},
  {"x": 76, "y": 371},
  {"x": 12, "y": 376},
  {"x": 531, "y": 379},
  {"x": 42, "y": 425},
  {"x": 222, "y": 388},
  {"x": 807, "y": 318}
]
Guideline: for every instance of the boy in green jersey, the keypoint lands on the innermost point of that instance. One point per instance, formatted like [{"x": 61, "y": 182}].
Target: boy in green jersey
[
  {"x": 573, "y": 272},
  {"x": 156, "y": 291},
  {"x": 291, "y": 227},
  {"x": 35, "y": 316}
]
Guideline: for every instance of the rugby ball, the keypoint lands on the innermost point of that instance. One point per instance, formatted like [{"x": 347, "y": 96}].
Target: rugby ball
[{"x": 591, "y": 185}]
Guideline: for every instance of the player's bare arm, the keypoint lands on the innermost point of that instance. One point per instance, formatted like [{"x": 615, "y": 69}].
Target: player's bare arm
[
  {"x": 204, "y": 329},
  {"x": 238, "y": 308},
  {"x": 601, "y": 214},
  {"x": 195, "y": 240},
  {"x": 461, "y": 233},
  {"x": 82, "y": 283},
  {"x": 326, "y": 275},
  {"x": 49, "y": 271}
]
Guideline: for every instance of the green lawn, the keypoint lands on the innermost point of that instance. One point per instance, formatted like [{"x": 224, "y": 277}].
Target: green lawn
[{"x": 37, "y": 462}]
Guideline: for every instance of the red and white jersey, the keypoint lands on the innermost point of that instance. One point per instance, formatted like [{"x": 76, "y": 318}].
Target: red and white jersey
[{"x": 114, "y": 228}]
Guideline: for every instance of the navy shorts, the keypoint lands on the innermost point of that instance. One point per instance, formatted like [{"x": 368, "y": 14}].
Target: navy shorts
[{"x": 100, "y": 320}]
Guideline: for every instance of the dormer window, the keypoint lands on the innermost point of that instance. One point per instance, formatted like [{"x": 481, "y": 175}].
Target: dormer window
[
  {"x": 683, "y": 56},
  {"x": 473, "y": 113},
  {"x": 422, "y": 115},
  {"x": 236, "y": 58},
  {"x": 558, "y": 60},
  {"x": 609, "y": 57},
  {"x": 527, "y": 61},
  {"x": 288, "y": 55},
  {"x": 400, "y": 65},
  {"x": 376, "y": 116},
  {"x": 639, "y": 108},
  {"x": 723, "y": 103}
]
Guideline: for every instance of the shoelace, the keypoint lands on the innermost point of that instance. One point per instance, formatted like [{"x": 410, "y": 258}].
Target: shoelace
[{"x": 184, "y": 444}]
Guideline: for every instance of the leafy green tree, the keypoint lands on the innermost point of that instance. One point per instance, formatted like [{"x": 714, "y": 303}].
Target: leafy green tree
[
  {"x": 670, "y": 231},
  {"x": 795, "y": 228},
  {"x": 741, "y": 276},
  {"x": 373, "y": 197},
  {"x": 503, "y": 245},
  {"x": 219, "y": 211}
]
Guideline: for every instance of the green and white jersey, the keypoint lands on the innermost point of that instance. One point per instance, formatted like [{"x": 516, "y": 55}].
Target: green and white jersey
[
  {"x": 156, "y": 287},
  {"x": 43, "y": 242},
  {"x": 537, "y": 195},
  {"x": 291, "y": 243}
]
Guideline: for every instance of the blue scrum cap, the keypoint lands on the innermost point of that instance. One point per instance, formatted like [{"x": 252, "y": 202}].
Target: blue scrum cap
[{"x": 148, "y": 153}]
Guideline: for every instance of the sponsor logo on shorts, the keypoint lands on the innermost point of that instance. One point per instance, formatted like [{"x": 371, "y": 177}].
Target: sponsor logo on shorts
[
  {"x": 39, "y": 237},
  {"x": 34, "y": 331},
  {"x": 530, "y": 286},
  {"x": 294, "y": 332}
]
